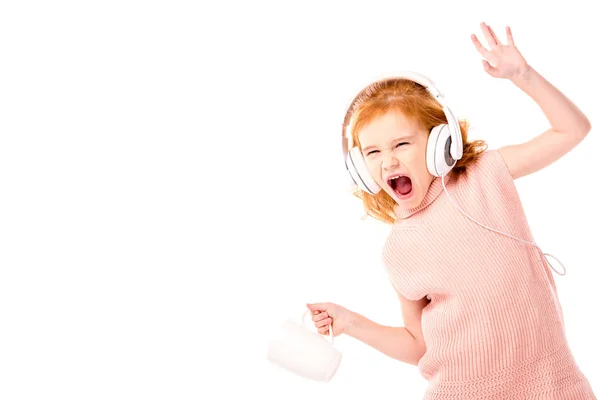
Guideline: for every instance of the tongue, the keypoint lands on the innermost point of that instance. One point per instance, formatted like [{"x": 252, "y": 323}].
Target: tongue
[{"x": 403, "y": 185}]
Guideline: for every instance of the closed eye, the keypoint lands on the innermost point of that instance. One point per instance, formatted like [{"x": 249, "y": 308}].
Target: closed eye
[{"x": 377, "y": 151}]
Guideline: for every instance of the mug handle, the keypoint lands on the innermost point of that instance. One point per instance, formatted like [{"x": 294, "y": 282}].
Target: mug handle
[{"x": 307, "y": 312}]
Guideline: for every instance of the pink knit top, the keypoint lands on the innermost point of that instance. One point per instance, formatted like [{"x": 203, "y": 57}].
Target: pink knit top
[{"x": 494, "y": 326}]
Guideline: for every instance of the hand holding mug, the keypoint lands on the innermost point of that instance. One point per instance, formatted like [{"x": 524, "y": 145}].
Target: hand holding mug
[{"x": 325, "y": 315}]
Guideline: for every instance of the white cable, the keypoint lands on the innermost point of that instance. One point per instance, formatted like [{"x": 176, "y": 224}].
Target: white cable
[{"x": 506, "y": 234}]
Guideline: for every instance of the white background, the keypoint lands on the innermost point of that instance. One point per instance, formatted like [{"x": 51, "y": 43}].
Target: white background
[{"x": 172, "y": 187}]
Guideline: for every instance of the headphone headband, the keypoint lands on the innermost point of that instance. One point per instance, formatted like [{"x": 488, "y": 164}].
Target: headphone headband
[{"x": 456, "y": 149}]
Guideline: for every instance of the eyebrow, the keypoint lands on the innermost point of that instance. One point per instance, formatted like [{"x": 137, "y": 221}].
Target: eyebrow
[{"x": 368, "y": 148}]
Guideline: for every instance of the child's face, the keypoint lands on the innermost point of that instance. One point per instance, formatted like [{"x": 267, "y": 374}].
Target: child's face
[{"x": 393, "y": 145}]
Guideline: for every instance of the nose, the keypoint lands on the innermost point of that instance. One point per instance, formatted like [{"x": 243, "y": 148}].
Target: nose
[{"x": 389, "y": 161}]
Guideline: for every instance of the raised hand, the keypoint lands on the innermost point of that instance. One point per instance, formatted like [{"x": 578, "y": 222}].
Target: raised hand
[{"x": 501, "y": 60}]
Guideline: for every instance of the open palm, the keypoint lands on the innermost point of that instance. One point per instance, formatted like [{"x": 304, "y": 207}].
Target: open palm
[{"x": 501, "y": 60}]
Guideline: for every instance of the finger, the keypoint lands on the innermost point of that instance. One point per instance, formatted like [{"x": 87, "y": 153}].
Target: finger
[
  {"x": 320, "y": 316},
  {"x": 494, "y": 35},
  {"x": 488, "y": 35},
  {"x": 509, "y": 36},
  {"x": 323, "y": 322},
  {"x": 482, "y": 50},
  {"x": 324, "y": 330},
  {"x": 493, "y": 71},
  {"x": 316, "y": 306}
]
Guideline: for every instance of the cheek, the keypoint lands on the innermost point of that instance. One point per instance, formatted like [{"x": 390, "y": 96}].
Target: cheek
[
  {"x": 417, "y": 160},
  {"x": 374, "y": 169},
  {"x": 424, "y": 178}
]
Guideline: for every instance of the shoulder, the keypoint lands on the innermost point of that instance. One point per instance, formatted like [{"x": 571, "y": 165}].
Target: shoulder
[
  {"x": 486, "y": 174},
  {"x": 489, "y": 165}
]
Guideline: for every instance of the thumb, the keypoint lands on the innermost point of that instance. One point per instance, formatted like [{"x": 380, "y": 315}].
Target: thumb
[{"x": 493, "y": 71}]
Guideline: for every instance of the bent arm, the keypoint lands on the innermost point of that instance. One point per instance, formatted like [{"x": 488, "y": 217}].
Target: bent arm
[
  {"x": 404, "y": 343},
  {"x": 395, "y": 342},
  {"x": 568, "y": 127}
]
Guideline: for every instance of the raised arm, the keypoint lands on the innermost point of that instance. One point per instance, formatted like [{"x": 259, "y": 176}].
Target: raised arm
[{"x": 568, "y": 125}]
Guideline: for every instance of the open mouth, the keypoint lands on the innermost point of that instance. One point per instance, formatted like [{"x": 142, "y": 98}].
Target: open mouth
[{"x": 401, "y": 185}]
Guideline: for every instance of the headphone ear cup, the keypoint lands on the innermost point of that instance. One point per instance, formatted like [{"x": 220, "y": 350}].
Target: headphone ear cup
[
  {"x": 359, "y": 172},
  {"x": 439, "y": 160}
]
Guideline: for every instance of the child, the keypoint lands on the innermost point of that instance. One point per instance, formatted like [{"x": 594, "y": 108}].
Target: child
[{"x": 479, "y": 303}]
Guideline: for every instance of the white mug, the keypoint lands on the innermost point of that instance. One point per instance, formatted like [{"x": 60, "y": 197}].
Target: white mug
[{"x": 305, "y": 352}]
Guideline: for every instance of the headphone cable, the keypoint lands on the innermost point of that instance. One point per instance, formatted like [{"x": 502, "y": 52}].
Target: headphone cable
[{"x": 506, "y": 234}]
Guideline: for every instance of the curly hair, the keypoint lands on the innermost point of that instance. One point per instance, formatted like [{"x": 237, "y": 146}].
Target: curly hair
[{"x": 415, "y": 102}]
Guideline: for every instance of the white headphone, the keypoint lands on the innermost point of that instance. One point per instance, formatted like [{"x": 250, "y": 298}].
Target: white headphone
[{"x": 444, "y": 146}]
